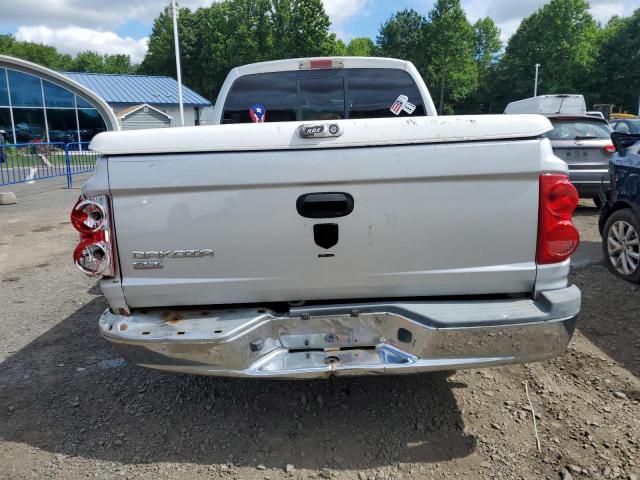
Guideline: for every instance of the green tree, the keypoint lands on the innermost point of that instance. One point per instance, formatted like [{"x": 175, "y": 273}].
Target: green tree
[
  {"x": 487, "y": 53},
  {"x": 88, "y": 62},
  {"x": 6, "y": 42},
  {"x": 94, "y": 62},
  {"x": 118, "y": 64},
  {"x": 562, "y": 37},
  {"x": 192, "y": 27},
  {"x": 450, "y": 45},
  {"x": 35, "y": 52},
  {"x": 308, "y": 30},
  {"x": 160, "y": 59},
  {"x": 487, "y": 42},
  {"x": 616, "y": 71},
  {"x": 50, "y": 57},
  {"x": 281, "y": 21},
  {"x": 361, "y": 47},
  {"x": 229, "y": 33},
  {"x": 402, "y": 36},
  {"x": 340, "y": 48}
]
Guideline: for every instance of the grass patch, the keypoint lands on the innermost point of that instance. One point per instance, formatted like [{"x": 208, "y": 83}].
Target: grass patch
[{"x": 42, "y": 156}]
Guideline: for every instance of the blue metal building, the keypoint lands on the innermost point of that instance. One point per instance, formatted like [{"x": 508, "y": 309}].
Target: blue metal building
[{"x": 142, "y": 101}]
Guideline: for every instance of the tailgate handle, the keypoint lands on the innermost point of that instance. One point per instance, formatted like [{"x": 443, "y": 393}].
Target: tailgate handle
[{"x": 325, "y": 205}]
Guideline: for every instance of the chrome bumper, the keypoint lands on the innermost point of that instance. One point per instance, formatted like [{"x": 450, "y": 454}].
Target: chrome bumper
[
  {"x": 359, "y": 339},
  {"x": 589, "y": 182}
]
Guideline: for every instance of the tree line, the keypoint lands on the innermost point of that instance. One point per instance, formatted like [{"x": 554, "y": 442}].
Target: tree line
[
  {"x": 50, "y": 57},
  {"x": 465, "y": 65}
]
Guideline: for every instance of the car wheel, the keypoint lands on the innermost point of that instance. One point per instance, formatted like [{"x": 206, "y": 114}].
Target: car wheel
[{"x": 621, "y": 245}]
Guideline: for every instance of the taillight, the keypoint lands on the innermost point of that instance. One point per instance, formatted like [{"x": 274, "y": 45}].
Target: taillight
[
  {"x": 610, "y": 148},
  {"x": 558, "y": 238},
  {"x": 93, "y": 255},
  {"x": 88, "y": 216}
]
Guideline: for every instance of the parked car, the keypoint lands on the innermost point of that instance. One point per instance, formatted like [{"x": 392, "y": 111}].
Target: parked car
[
  {"x": 580, "y": 139},
  {"x": 585, "y": 144},
  {"x": 26, "y": 132},
  {"x": 388, "y": 241},
  {"x": 627, "y": 125},
  {"x": 620, "y": 216},
  {"x": 63, "y": 136},
  {"x": 622, "y": 116}
]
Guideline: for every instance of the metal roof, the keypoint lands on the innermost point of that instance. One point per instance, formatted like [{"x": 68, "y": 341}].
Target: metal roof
[{"x": 136, "y": 89}]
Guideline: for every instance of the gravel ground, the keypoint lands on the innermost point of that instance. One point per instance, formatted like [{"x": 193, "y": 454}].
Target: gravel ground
[{"x": 70, "y": 407}]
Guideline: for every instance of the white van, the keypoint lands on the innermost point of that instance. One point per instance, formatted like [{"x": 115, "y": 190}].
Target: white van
[{"x": 550, "y": 105}]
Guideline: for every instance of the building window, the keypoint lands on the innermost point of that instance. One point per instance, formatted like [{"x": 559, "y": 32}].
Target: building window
[
  {"x": 44, "y": 111},
  {"x": 25, "y": 90},
  {"x": 29, "y": 123},
  {"x": 5, "y": 125},
  {"x": 82, "y": 103},
  {"x": 56, "y": 96},
  {"x": 62, "y": 125},
  {"x": 91, "y": 123},
  {"x": 4, "y": 92}
]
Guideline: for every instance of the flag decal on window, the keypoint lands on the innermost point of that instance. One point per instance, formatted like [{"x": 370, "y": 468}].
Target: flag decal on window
[{"x": 258, "y": 113}]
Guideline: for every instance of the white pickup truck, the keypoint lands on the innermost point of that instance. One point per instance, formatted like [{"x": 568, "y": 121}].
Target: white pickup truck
[{"x": 332, "y": 225}]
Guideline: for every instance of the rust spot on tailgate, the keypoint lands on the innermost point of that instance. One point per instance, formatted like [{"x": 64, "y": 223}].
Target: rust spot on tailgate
[{"x": 171, "y": 316}]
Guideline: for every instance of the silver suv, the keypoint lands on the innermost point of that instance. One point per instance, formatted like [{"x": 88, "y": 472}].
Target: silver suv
[{"x": 585, "y": 144}]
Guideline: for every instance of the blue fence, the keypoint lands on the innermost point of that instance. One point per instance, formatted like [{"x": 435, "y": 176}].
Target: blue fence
[{"x": 28, "y": 162}]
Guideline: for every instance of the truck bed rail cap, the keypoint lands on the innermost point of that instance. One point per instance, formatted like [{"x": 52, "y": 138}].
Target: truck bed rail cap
[{"x": 357, "y": 133}]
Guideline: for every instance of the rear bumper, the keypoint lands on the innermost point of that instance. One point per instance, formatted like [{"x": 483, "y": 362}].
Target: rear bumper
[
  {"x": 589, "y": 182},
  {"x": 359, "y": 339}
]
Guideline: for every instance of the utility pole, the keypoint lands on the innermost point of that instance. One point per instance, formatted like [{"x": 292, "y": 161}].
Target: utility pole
[
  {"x": 178, "y": 69},
  {"x": 535, "y": 87},
  {"x": 442, "y": 93}
]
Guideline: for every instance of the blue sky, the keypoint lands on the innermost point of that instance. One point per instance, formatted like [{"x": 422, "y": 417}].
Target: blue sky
[
  {"x": 374, "y": 13},
  {"x": 123, "y": 26}
]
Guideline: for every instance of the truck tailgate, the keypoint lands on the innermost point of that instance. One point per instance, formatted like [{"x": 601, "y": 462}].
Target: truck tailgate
[{"x": 427, "y": 219}]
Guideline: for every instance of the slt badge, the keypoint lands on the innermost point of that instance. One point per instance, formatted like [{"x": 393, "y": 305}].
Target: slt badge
[{"x": 151, "y": 259}]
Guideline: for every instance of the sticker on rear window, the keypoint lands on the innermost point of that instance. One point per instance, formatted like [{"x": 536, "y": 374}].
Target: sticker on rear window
[
  {"x": 258, "y": 113},
  {"x": 399, "y": 104},
  {"x": 402, "y": 103},
  {"x": 409, "y": 108}
]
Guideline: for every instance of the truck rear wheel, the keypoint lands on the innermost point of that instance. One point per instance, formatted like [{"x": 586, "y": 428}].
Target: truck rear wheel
[{"x": 621, "y": 245}]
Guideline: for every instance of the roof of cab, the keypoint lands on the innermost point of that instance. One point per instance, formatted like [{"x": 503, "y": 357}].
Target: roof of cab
[{"x": 294, "y": 64}]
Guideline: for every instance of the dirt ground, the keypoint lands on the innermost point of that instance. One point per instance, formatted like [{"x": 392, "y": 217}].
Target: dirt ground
[{"x": 70, "y": 407}]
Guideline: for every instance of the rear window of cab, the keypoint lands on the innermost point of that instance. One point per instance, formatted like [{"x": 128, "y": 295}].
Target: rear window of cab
[
  {"x": 321, "y": 95},
  {"x": 578, "y": 129}
]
